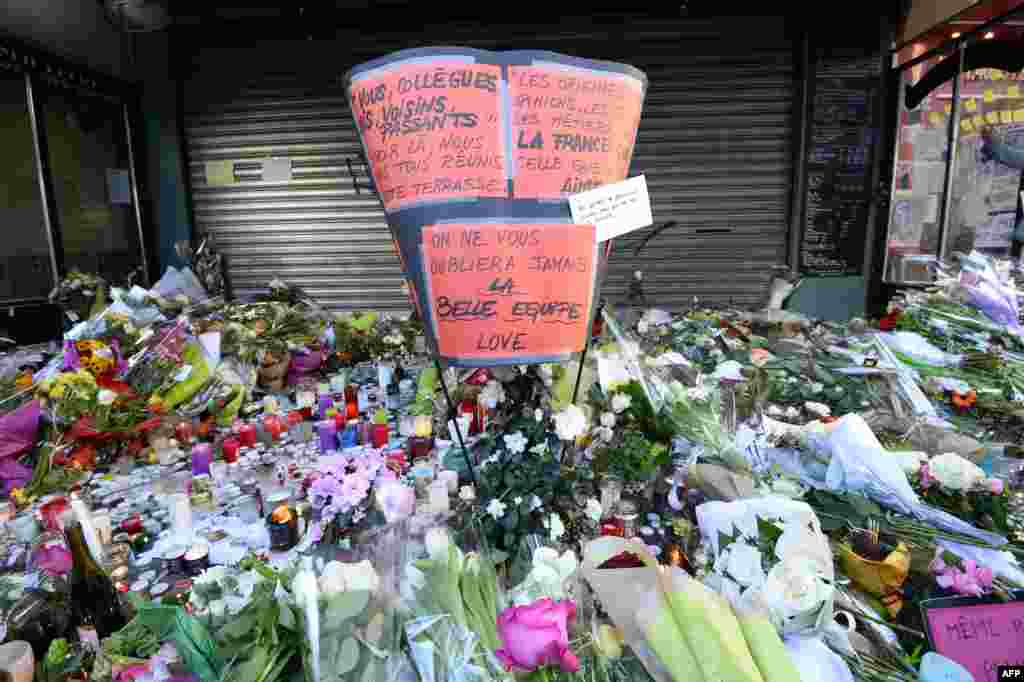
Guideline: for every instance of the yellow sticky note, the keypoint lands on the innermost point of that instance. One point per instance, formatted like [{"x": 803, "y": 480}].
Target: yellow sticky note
[
  {"x": 219, "y": 173},
  {"x": 992, "y": 117},
  {"x": 1018, "y": 116},
  {"x": 979, "y": 122},
  {"x": 1006, "y": 117},
  {"x": 990, "y": 96},
  {"x": 1013, "y": 91},
  {"x": 971, "y": 105},
  {"x": 966, "y": 126},
  {"x": 935, "y": 118}
]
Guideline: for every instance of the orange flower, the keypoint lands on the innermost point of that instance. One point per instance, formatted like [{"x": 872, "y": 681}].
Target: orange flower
[
  {"x": 24, "y": 379},
  {"x": 964, "y": 401}
]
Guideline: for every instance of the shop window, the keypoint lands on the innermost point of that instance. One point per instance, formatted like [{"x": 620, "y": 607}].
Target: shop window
[
  {"x": 922, "y": 148},
  {"x": 89, "y": 165},
  {"x": 25, "y": 265}
]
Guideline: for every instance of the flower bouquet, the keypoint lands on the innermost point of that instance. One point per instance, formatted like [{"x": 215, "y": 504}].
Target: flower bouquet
[
  {"x": 340, "y": 493},
  {"x": 679, "y": 629},
  {"x": 960, "y": 487},
  {"x": 80, "y": 295},
  {"x": 773, "y": 548}
]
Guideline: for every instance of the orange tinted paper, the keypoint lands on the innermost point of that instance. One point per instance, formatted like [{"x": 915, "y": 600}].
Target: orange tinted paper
[
  {"x": 506, "y": 291},
  {"x": 572, "y": 129},
  {"x": 432, "y": 131}
]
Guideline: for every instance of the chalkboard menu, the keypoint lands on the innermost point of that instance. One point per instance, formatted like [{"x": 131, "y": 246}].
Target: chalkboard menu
[{"x": 838, "y": 177}]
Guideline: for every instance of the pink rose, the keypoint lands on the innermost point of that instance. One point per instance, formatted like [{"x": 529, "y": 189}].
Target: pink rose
[
  {"x": 759, "y": 357},
  {"x": 537, "y": 635},
  {"x": 995, "y": 486},
  {"x": 52, "y": 559}
]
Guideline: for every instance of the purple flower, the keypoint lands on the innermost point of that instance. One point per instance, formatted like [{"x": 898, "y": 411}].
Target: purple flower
[
  {"x": 354, "y": 489},
  {"x": 72, "y": 361}
]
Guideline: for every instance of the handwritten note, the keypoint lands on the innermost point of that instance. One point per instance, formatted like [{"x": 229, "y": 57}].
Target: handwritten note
[
  {"x": 220, "y": 173},
  {"x": 979, "y": 636},
  {"x": 614, "y": 209},
  {"x": 572, "y": 129},
  {"x": 432, "y": 131},
  {"x": 507, "y": 291}
]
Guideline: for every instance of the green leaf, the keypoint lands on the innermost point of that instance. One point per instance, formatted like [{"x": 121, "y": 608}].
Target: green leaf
[
  {"x": 242, "y": 625},
  {"x": 252, "y": 668},
  {"x": 348, "y": 656},
  {"x": 768, "y": 533},
  {"x": 863, "y": 506},
  {"x": 726, "y": 540},
  {"x": 286, "y": 618},
  {"x": 343, "y": 606}
]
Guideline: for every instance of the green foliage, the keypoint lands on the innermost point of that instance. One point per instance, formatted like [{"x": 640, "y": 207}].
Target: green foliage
[{"x": 636, "y": 458}]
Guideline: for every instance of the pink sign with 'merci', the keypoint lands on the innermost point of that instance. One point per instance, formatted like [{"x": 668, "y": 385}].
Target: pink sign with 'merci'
[{"x": 979, "y": 636}]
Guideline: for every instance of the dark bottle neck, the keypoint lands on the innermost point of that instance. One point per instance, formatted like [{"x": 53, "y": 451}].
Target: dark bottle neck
[{"x": 81, "y": 557}]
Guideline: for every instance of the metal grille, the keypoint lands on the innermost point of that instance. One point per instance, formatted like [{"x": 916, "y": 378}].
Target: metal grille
[{"x": 714, "y": 143}]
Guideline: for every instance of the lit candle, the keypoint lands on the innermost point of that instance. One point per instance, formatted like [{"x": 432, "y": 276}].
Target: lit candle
[
  {"x": 451, "y": 479},
  {"x": 328, "y": 435},
  {"x": 181, "y": 515}
]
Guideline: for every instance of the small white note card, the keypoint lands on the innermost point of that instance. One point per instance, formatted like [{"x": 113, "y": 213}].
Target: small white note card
[{"x": 614, "y": 209}]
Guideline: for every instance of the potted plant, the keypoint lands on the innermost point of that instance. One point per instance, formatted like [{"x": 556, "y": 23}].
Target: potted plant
[{"x": 379, "y": 431}]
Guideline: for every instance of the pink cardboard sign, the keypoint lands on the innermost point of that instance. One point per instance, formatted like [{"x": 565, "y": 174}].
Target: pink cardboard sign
[{"x": 977, "y": 635}]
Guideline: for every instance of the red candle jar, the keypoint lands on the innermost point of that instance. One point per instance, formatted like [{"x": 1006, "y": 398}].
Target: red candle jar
[
  {"x": 351, "y": 402},
  {"x": 133, "y": 524},
  {"x": 183, "y": 432},
  {"x": 203, "y": 430},
  {"x": 340, "y": 421},
  {"x": 51, "y": 512},
  {"x": 272, "y": 425},
  {"x": 379, "y": 435},
  {"x": 420, "y": 446},
  {"x": 294, "y": 418},
  {"x": 230, "y": 450},
  {"x": 247, "y": 435},
  {"x": 613, "y": 527}
]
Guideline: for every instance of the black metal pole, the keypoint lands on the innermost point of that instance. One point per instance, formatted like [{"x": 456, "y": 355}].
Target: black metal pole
[
  {"x": 453, "y": 417},
  {"x": 579, "y": 372}
]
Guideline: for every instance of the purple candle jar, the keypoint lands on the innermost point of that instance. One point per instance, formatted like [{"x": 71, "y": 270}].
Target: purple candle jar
[
  {"x": 324, "y": 403},
  {"x": 202, "y": 454},
  {"x": 328, "y": 435}
]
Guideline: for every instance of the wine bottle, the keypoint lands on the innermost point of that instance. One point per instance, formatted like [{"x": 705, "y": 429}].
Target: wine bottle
[{"x": 94, "y": 598}]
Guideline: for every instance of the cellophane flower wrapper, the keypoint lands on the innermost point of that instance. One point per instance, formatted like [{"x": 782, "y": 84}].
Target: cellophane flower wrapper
[
  {"x": 358, "y": 626},
  {"x": 451, "y": 599},
  {"x": 859, "y": 464},
  {"x": 996, "y": 299}
]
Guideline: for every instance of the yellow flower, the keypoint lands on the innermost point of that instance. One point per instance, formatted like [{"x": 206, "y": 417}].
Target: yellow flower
[
  {"x": 19, "y": 496},
  {"x": 58, "y": 391}
]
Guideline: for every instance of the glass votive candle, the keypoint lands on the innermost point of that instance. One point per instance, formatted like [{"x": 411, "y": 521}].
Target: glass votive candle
[
  {"x": 407, "y": 426},
  {"x": 273, "y": 426},
  {"x": 247, "y": 435},
  {"x": 25, "y": 528},
  {"x": 229, "y": 448},
  {"x": 438, "y": 500},
  {"x": 202, "y": 455},
  {"x": 219, "y": 472},
  {"x": 328, "y": 433},
  {"x": 424, "y": 426},
  {"x": 294, "y": 417},
  {"x": 183, "y": 431}
]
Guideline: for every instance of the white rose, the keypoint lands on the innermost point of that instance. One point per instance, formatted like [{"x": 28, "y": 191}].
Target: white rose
[
  {"x": 697, "y": 393},
  {"x": 744, "y": 565},
  {"x": 437, "y": 542},
  {"x": 792, "y": 413},
  {"x": 604, "y": 434},
  {"x": 818, "y": 409},
  {"x": 620, "y": 403},
  {"x": 593, "y": 510},
  {"x": 570, "y": 423},
  {"x": 774, "y": 411},
  {"x": 496, "y": 508},
  {"x": 794, "y": 593},
  {"x": 550, "y": 569},
  {"x": 797, "y": 540},
  {"x": 608, "y": 420},
  {"x": 338, "y": 577},
  {"x": 467, "y": 494},
  {"x": 954, "y": 472},
  {"x": 106, "y": 397}
]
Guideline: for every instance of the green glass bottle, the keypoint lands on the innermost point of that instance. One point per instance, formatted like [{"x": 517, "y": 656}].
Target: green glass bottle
[{"x": 94, "y": 599}]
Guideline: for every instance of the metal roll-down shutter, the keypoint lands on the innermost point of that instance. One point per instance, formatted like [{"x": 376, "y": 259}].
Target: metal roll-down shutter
[{"x": 714, "y": 143}]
